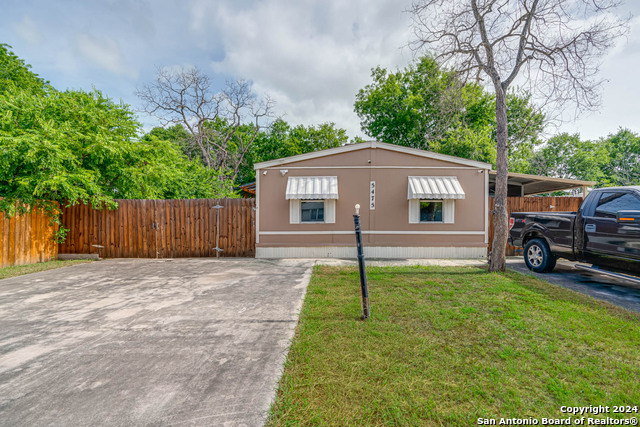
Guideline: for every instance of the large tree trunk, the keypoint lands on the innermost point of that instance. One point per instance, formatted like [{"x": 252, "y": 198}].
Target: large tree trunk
[{"x": 500, "y": 219}]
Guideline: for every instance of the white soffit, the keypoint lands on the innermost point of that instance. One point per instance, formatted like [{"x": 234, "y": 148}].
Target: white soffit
[
  {"x": 312, "y": 187},
  {"x": 372, "y": 144},
  {"x": 434, "y": 187}
]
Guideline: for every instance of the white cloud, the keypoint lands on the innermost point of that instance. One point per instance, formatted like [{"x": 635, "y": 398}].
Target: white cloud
[
  {"x": 103, "y": 52},
  {"x": 28, "y": 30},
  {"x": 311, "y": 57}
]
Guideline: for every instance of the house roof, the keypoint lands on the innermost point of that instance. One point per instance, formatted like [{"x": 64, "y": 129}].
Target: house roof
[
  {"x": 536, "y": 184},
  {"x": 372, "y": 144}
]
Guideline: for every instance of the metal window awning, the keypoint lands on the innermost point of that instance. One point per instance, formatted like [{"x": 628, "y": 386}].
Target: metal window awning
[
  {"x": 434, "y": 187},
  {"x": 312, "y": 187}
]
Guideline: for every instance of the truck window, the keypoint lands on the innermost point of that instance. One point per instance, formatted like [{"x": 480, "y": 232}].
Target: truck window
[{"x": 612, "y": 202}]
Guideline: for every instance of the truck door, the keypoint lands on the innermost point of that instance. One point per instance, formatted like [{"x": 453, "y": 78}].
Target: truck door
[{"x": 607, "y": 242}]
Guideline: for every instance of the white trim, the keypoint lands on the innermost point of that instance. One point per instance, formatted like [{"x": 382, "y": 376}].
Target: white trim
[
  {"x": 387, "y": 252},
  {"x": 257, "y": 206},
  {"x": 414, "y": 211},
  {"x": 449, "y": 211},
  {"x": 294, "y": 211},
  {"x": 330, "y": 211},
  {"x": 486, "y": 207},
  {"x": 403, "y": 233},
  {"x": 370, "y": 167},
  {"x": 373, "y": 144}
]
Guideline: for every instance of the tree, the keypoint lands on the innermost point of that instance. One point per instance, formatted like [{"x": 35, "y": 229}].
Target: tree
[
  {"x": 556, "y": 44},
  {"x": 567, "y": 156},
  {"x": 77, "y": 146},
  {"x": 423, "y": 107},
  {"x": 469, "y": 144},
  {"x": 15, "y": 73},
  {"x": 221, "y": 125},
  {"x": 623, "y": 167},
  {"x": 282, "y": 140},
  {"x": 414, "y": 106}
]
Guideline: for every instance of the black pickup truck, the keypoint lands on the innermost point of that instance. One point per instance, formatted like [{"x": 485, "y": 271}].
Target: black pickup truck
[{"x": 604, "y": 232}]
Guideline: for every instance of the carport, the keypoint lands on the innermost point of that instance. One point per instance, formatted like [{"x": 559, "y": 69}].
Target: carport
[{"x": 522, "y": 184}]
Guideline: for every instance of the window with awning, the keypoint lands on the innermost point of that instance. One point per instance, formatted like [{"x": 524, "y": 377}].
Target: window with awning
[
  {"x": 312, "y": 199},
  {"x": 434, "y": 188},
  {"x": 312, "y": 187},
  {"x": 432, "y": 199}
]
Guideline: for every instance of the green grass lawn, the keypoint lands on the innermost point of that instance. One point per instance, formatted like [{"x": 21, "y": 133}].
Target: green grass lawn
[
  {"x": 445, "y": 346},
  {"x": 19, "y": 270}
]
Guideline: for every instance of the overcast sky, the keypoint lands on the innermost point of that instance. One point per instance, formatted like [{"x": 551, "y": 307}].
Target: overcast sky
[{"x": 310, "y": 56}]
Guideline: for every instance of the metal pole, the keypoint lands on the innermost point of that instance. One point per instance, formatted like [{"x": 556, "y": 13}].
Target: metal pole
[
  {"x": 217, "y": 248},
  {"x": 363, "y": 273}
]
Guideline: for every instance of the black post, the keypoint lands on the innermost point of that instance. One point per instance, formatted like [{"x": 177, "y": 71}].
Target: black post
[{"x": 363, "y": 273}]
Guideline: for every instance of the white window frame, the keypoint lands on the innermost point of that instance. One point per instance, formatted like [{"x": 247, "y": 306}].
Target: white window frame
[
  {"x": 295, "y": 211},
  {"x": 448, "y": 211}
]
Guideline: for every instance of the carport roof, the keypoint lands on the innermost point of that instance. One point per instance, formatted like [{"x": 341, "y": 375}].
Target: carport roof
[{"x": 528, "y": 185}]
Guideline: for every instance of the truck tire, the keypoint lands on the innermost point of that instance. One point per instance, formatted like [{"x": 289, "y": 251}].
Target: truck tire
[{"x": 538, "y": 256}]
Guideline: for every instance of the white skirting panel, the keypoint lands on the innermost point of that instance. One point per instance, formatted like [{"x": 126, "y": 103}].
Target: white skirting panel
[{"x": 384, "y": 252}]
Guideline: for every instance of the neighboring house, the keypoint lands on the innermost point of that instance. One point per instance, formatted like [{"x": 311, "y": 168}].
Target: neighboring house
[{"x": 413, "y": 204}]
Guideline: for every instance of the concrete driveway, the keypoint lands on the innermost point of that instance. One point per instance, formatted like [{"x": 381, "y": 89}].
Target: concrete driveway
[
  {"x": 614, "y": 291},
  {"x": 147, "y": 342}
]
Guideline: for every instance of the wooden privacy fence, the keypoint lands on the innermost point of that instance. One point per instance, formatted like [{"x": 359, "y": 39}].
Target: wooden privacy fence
[
  {"x": 533, "y": 204},
  {"x": 27, "y": 239},
  {"x": 162, "y": 228}
]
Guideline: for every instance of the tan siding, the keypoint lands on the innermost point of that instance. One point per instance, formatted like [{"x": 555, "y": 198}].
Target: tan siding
[{"x": 392, "y": 207}]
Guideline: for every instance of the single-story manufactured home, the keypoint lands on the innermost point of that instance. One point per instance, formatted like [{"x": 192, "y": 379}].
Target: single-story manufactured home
[{"x": 413, "y": 204}]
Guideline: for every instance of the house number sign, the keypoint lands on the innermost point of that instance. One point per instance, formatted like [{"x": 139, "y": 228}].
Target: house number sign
[{"x": 372, "y": 196}]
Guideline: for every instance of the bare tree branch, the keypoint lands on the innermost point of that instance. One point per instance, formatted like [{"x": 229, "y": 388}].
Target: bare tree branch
[
  {"x": 213, "y": 119},
  {"x": 553, "y": 47}
]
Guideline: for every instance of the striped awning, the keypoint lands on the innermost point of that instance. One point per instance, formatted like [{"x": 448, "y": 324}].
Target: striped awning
[
  {"x": 312, "y": 187},
  {"x": 434, "y": 187}
]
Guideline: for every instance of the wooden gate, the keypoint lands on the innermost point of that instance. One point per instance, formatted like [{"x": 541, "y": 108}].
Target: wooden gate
[
  {"x": 162, "y": 229},
  {"x": 533, "y": 204}
]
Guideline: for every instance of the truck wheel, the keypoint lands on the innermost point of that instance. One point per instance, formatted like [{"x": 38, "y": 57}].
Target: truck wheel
[{"x": 538, "y": 256}]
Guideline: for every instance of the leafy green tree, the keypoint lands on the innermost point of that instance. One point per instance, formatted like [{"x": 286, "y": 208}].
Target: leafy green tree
[
  {"x": 282, "y": 140},
  {"x": 76, "y": 146},
  {"x": 567, "y": 156},
  {"x": 614, "y": 160},
  {"x": 14, "y": 72},
  {"x": 424, "y": 106},
  {"x": 467, "y": 143},
  {"x": 414, "y": 106},
  {"x": 623, "y": 167},
  {"x": 176, "y": 134}
]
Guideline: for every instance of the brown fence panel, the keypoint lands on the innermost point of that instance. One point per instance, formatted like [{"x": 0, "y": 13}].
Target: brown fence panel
[
  {"x": 163, "y": 228},
  {"x": 533, "y": 204},
  {"x": 26, "y": 239}
]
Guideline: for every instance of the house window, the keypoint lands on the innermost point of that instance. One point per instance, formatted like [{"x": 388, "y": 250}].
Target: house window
[
  {"x": 312, "y": 211},
  {"x": 427, "y": 211},
  {"x": 431, "y": 211}
]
